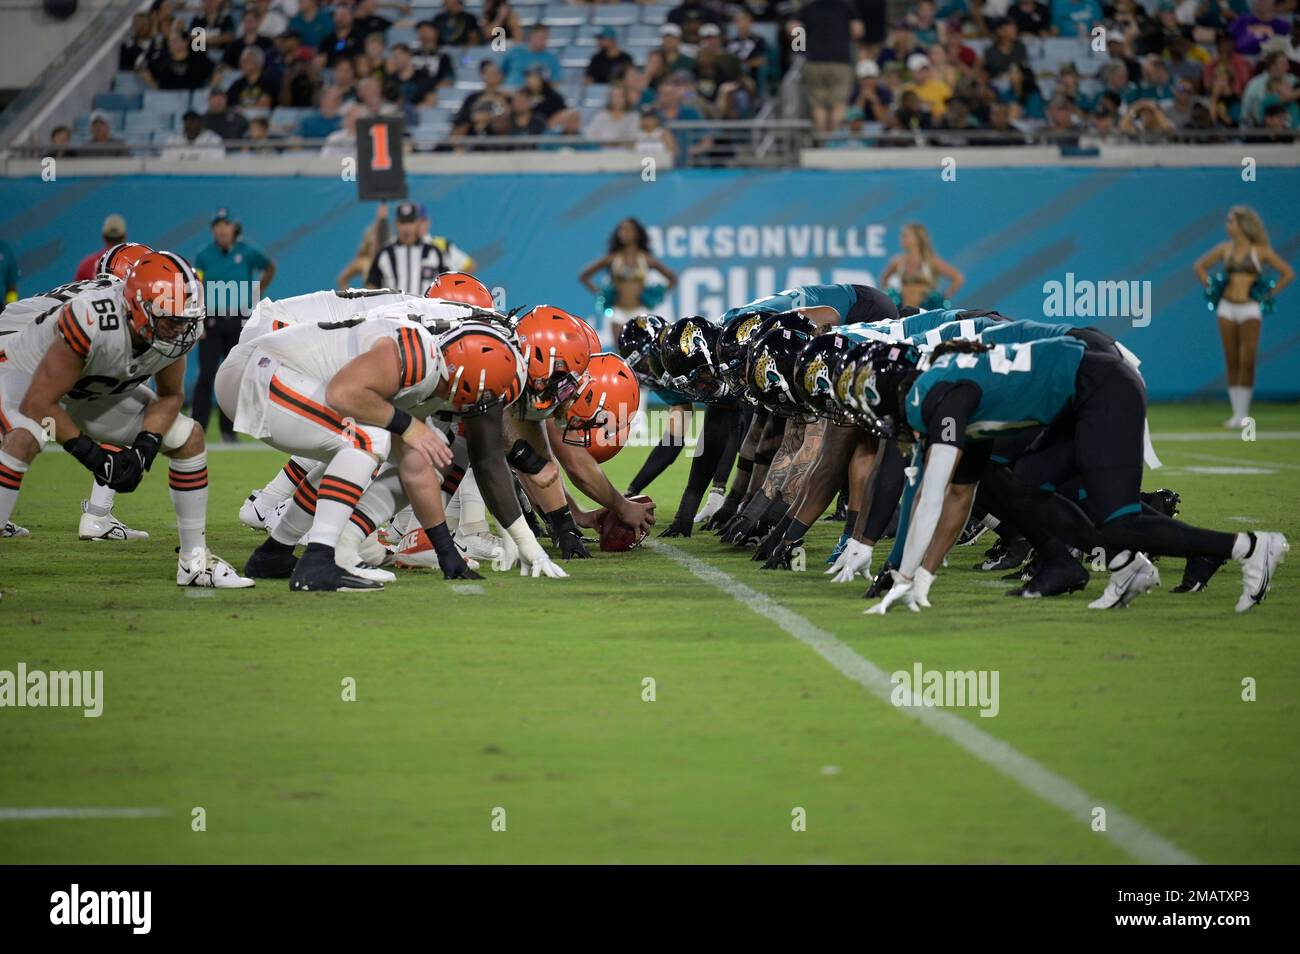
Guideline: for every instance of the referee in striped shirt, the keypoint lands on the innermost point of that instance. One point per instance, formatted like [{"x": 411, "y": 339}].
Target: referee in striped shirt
[{"x": 411, "y": 263}]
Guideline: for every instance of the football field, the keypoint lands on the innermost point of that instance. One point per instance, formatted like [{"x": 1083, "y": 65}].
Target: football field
[{"x": 514, "y": 720}]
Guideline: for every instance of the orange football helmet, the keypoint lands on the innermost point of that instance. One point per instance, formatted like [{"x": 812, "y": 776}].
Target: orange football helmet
[
  {"x": 604, "y": 405},
  {"x": 118, "y": 259},
  {"x": 557, "y": 350},
  {"x": 164, "y": 300},
  {"x": 483, "y": 366},
  {"x": 459, "y": 286},
  {"x": 593, "y": 339}
]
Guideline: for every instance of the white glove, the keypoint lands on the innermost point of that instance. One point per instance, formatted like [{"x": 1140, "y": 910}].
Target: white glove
[
  {"x": 543, "y": 567},
  {"x": 901, "y": 590},
  {"x": 855, "y": 559},
  {"x": 921, "y": 586},
  {"x": 509, "y": 549},
  {"x": 711, "y": 505}
]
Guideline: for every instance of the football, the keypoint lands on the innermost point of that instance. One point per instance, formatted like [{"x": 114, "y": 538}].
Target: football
[{"x": 618, "y": 537}]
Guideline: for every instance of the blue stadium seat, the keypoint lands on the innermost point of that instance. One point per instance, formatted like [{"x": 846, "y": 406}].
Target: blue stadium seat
[
  {"x": 564, "y": 14},
  {"x": 586, "y": 35},
  {"x": 166, "y": 100},
  {"x": 561, "y": 36},
  {"x": 401, "y": 35},
  {"x": 656, "y": 13},
  {"x": 145, "y": 119},
  {"x": 452, "y": 96},
  {"x": 621, "y": 14},
  {"x": 125, "y": 81},
  {"x": 641, "y": 36},
  {"x": 596, "y": 95},
  {"x": 118, "y": 102},
  {"x": 575, "y": 57},
  {"x": 287, "y": 119}
]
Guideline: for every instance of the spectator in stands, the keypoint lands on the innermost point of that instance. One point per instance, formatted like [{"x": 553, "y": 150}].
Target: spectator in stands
[
  {"x": 235, "y": 275},
  {"x": 1032, "y": 18},
  {"x": 1225, "y": 102},
  {"x": 1252, "y": 30},
  {"x": 673, "y": 108},
  {"x": 958, "y": 52},
  {"x": 1022, "y": 93},
  {"x": 249, "y": 36},
  {"x": 370, "y": 94},
  {"x": 523, "y": 121},
  {"x": 635, "y": 90},
  {"x": 455, "y": 26},
  {"x": 1128, "y": 20},
  {"x": 429, "y": 58},
  {"x": 829, "y": 29},
  {"x": 493, "y": 89},
  {"x": 274, "y": 20},
  {"x": 9, "y": 275},
  {"x": 341, "y": 43},
  {"x": 372, "y": 47},
  {"x": 615, "y": 123},
  {"x": 301, "y": 78},
  {"x": 1181, "y": 110},
  {"x": 902, "y": 44},
  {"x": 499, "y": 15},
  {"x": 1156, "y": 84},
  {"x": 547, "y": 101},
  {"x": 1103, "y": 126},
  {"x": 102, "y": 143},
  {"x": 670, "y": 45},
  {"x": 261, "y": 142},
  {"x": 871, "y": 99},
  {"x": 61, "y": 143},
  {"x": 1186, "y": 60},
  {"x": 653, "y": 138},
  {"x": 1237, "y": 66},
  {"x": 1005, "y": 49},
  {"x": 368, "y": 20},
  {"x": 957, "y": 119},
  {"x": 177, "y": 66},
  {"x": 345, "y": 78},
  {"x": 1067, "y": 86},
  {"x": 254, "y": 88},
  {"x": 608, "y": 62},
  {"x": 748, "y": 47},
  {"x": 690, "y": 15},
  {"x": 919, "y": 271},
  {"x": 931, "y": 90},
  {"x": 406, "y": 83},
  {"x": 1274, "y": 84},
  {"x": 922, "y": 24},
  {"x": 217, "y": 23},
  {"x": 194, "y": 141},
  {"x": 1161, "y": 32},
  {"x": 1277, "y": 118},
  {"x": 534, "y": 55},
  {"x": 944, "y": 69},
  {"x": 1114, "y": 79},
  {"x": 112, "y": 232},
  {"x": 910, "y": 113},
  {"x": 1075, "y": 17},
  {"x": 221, "y": 119},
  {"x": 1062, "y": 120},
  {"x": 342, "y": 143},
  {"x": 328, "y": 115},
  {"x": 137, "y": 42},
  {"x": 312, "y": 23},
  {"x": 1144, "y": 116},
  {"x": 1003, "y": 133},
  {"x": 725, "y": 91}
]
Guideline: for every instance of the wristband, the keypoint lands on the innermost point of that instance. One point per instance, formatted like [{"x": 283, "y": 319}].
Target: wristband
[
  {"x": 399, "y": 422},
  {"x": 524, "y": 458},
  {"x": 529, "y": 549},
  {"x": 795, "y": 529},
  {"x": 440, "y": 538}
]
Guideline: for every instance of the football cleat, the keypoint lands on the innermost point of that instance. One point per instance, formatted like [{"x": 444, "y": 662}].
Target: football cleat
[
  {"x": 1258, "y": 568},
  {"x": 264, "y": 564},
  {"x": 316, "y": 571},
  {"x": 414, "y": 551},
  {"x": 368, "y": 572},
  {"x": 1005, "y": 555},
  {"x": 1128, "y": 583},
  {"x": 1054, "y": 579},
  {"x": 12, "y": 529},
  {"x": 974, "y": 529},
  {"x": 882, "y": 584},
  {"x": 202, "y": 567},
  {"x": 107, "y": 527},
  {"x": 259, "y": 512},
  {"x": 1164, "y": 500},
  {"x": 839, "y": 548},
  {"x": 1197, "y": 574}
]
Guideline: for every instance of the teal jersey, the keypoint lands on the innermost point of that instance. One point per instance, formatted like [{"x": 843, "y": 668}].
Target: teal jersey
[
  {"x": 1021, "y": 385},
  {"x": 228, "y": 276},
  {"x": 913, "y": 326},
  {"x": 840, "y": 297},
  {"x": 672, "y": 398},
  {"x": 961, "y": 328},
  {"x": 1014, "y": 332},
  {"x": 867, "y": 331}
]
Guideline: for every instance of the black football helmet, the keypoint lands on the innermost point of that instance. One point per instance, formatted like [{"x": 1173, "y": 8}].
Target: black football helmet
[
  {"x": 770, "y": 371},
  {"x": 794, "y": 320},
  {"x": 889, "y": 370},
  {"x": 844, "y": 375},
  {"x": 813, "y": 384},
  {"x": 687, "y": 349},
  {"x": 638, "y": 345}
]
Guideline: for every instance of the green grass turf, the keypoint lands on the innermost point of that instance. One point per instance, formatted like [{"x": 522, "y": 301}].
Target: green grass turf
[{"x": 527, "y": 696}]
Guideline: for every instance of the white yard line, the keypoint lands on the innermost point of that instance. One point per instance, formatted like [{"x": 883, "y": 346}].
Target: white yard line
[
  {"x": 1239, "y": 461},
  {"x": 1125, "y": 832},
  {"x": 45, "y": 814},
  {"x": 1223, "y": 435}
]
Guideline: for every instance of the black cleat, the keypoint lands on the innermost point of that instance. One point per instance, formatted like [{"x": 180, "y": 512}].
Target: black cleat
[
  {"x": 1164, "y": 500},
  {"x": 317, "y": 572},
  {"x": 973, "y": 530},
  {"x": 276, "y": 564},
  {"x": 1197, "y": 573},
  {"x": 1027, "y": 572},
  {"x": 882, "y": 584},
  {"x": 1005, "y": 555},
  {"x": 1054, "y": 579}
]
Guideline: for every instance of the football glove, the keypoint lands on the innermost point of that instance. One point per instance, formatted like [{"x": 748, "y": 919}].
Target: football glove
[
  {"x": 902, "y": 591},
  {"x": 711, "y": 506},
  {"x": 881, "y": 584},
  {"x": 680, "y": 527},
  {"x": 93, "y": 457},
  {"x": 781, "y": 553},
  {"x": 736, "y": 528},
  {"x": 572, "y": 545},
  {"x": 542, "y": 567},
  {"x": 855, "y": 559},
  {"x": 771, "y": 541},
  {"x": 131, "y": 464}
]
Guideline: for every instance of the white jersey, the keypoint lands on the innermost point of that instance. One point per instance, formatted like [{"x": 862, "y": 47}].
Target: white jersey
[
  {"x": 97, "y": 328},
  {"x": 24, "y": 312},
  {"x": 316, "y": 307},
  {"x": 434, "y": 313},
  {"x": 320, "y": 351}
]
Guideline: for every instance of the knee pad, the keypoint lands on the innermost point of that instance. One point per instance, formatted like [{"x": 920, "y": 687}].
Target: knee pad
[{"x": 178, "y": 433}]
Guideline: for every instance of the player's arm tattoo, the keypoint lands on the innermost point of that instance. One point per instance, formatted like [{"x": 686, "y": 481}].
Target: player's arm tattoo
[
  {"x": 801, "y": 463},
  {"x": 776, "y": 473}
]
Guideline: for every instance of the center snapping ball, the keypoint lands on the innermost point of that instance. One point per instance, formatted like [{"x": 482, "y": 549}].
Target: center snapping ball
[{"x": 618, "y": 537}]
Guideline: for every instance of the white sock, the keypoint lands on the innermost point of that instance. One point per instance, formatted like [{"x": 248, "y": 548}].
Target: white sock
[
  {"x": 11, "y": 478},
  {"x": 382, "y": 499},
  {"x": 473, "y": 512},
  {"x": 297, "y": 517},
  {"x": 101, "y": 500},
  {"x": 1239, "y": 398},
  {"x": 339, "y": 491},
  {"x": 188, "y": 480},
  {"x": 284, "y": 483}
]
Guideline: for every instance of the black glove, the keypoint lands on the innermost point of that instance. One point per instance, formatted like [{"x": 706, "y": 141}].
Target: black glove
[
  {"x": 722, "y": 515},
  {"x": 131, "y": 464},
  {"x": 780, "y": 556},
  {"x": 680, "y": 527},
  {"x": 755, "y": 535},
  {"x": 461, "y": 572},
  {"x": 146, "y": 447},
  {"x": 772, "y": 540},
  {"x": 737, "y": 528},
  {"x": 93, "y": 457},
  {"x": 883, "y": 583},
  {"x": 572, "y": 545}
]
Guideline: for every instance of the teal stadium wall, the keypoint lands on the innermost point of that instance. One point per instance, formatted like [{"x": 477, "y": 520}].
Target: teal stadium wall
[{"x": 734, "y": 235}]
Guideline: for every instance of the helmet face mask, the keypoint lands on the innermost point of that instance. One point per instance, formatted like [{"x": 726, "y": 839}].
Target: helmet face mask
[
  {"x": 469, "y": 354},
  {"x": 638, "y": 344},
  {"x": 887, "y": 373},
  {"x": 687, "y": 350},
  {"x": 812, "y": 382},
  {"x": 770, "y": 367},
  {"x": 557, "y": 348},
  {"x": 605, "y": 404},
  {"x": 165, "y": 301}
]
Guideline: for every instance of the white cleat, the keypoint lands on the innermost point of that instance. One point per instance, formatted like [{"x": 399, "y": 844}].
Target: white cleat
[
  {"x": 108, "y": 527},
  {"x": 415, "y": 550},
  {"x": 1257, "y": 569},
  {"x": 202, "y": 567},
  {"x": 259, "y": 513},
  {"x": 1233, "y": 423},
  {"x": 367, "y": 572},
  {"x": 480, "y": 546},
  {"x": 1128, "y": 583},
  {"x": 12, "y": 529}
]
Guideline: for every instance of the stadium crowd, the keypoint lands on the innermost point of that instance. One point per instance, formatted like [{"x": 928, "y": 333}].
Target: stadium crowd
[{"x": 263, "y": 77}]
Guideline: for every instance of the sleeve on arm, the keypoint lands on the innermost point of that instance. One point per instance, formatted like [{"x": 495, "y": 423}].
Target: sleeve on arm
[{"x": 947, "y": 410}]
